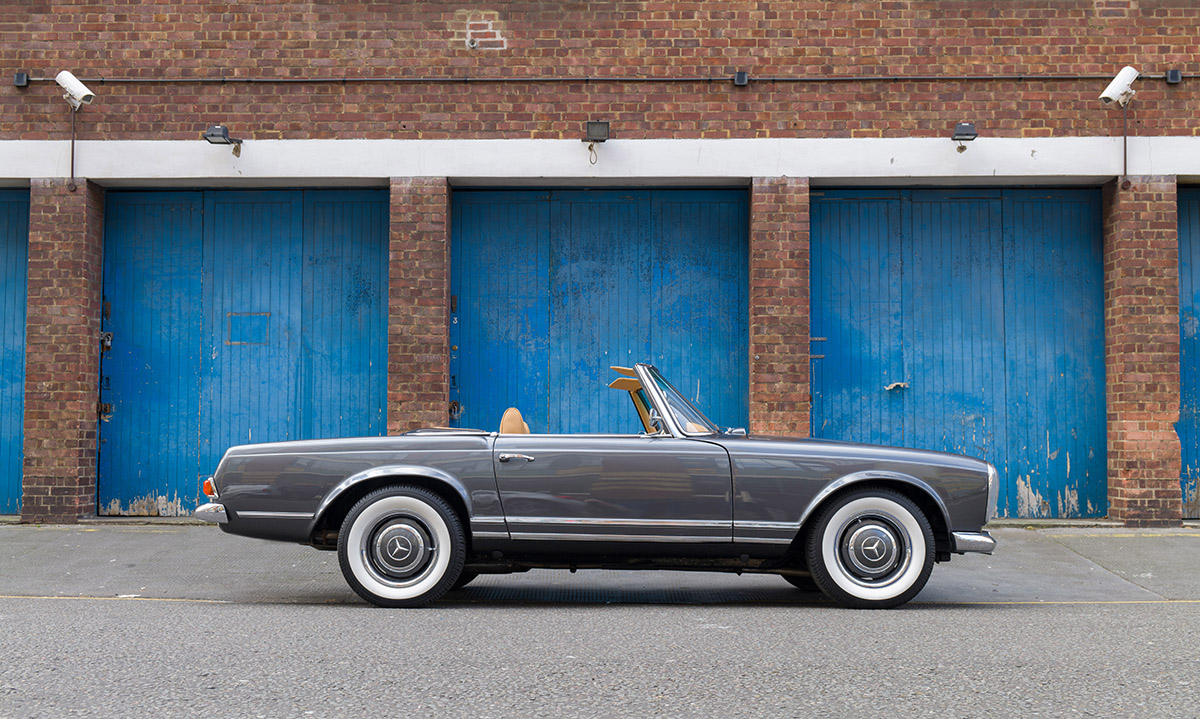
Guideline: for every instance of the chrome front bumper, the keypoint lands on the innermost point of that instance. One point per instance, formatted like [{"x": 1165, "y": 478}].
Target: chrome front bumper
[
  {"x": 211, "y": 512},
  {"x": 973, "y": 542}
]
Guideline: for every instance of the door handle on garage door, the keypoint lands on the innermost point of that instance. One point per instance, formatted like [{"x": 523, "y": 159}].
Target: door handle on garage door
[
  {"x": 896, "y": 385},
  {"x": 505, "y": 456}
]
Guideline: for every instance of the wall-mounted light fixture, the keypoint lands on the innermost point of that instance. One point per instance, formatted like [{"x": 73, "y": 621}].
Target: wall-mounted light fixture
[
  {"x": 595, "y": 132},
  {"x": 964, "y": 132},
  {"x": 219, "y": 135}
]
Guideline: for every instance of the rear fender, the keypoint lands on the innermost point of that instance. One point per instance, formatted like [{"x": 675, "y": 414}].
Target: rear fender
[{"x": 399, "y": 471}]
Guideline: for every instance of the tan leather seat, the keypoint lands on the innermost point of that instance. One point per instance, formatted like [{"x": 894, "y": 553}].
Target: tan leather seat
[{"x": 512, "y": 422}]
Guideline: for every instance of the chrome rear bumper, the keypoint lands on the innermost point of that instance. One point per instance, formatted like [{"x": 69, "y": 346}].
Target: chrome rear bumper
[
  {"x": 211, "y": 512},
  {"x": 973, "y": 542}
]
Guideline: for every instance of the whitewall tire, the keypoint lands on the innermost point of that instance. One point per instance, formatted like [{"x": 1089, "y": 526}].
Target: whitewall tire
[
  {"x": 401, "y": 546},
  {"x": 871, "y": 548}
]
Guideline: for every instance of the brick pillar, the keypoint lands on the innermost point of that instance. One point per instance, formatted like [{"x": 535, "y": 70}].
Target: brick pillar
[
  {"x": 780, "y": 400},
  {"x": 418, "y": 303},
  {"x": 62, "y": 351},
  {"x": 1141, "y": 351}
]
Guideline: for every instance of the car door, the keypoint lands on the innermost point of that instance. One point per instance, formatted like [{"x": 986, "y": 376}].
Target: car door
[{"x": 626, "y": 488}]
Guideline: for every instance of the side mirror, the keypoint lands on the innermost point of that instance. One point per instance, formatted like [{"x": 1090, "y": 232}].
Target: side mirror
[{"x": 656, "y": 420}]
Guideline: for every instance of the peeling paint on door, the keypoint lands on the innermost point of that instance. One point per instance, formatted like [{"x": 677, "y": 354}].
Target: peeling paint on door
[
  {"x": 1029, "y": 501},
  {"x": 154, "y": 505}
]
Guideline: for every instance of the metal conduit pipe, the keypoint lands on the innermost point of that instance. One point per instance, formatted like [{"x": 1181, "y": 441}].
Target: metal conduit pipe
[{"x": 515, "y": 79}]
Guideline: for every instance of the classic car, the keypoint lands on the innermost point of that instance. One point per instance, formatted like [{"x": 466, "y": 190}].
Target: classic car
[{"x": 415, "y": 515}]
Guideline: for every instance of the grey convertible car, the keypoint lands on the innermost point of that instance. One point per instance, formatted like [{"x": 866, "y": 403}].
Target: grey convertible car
[{"x": 414, "y": 516}]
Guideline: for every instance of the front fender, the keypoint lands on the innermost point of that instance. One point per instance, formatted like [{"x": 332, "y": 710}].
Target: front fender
[
  {"x": 874, "y": 476},
  {"x": 390, "y": 470}
]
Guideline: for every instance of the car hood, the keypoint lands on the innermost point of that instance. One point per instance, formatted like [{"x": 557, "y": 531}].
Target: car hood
[{"x": 765, "y": 444}]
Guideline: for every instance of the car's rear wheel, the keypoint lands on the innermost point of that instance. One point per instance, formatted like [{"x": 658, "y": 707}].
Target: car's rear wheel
[
  {"x": 871, "y": 548},
  {"x": 401, "y": 546}
]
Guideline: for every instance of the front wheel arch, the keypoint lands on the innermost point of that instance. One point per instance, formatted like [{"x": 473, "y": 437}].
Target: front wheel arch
[{"x": 931, "y": 507}]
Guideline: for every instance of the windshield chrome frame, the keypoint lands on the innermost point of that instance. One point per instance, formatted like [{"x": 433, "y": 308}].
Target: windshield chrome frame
[{"x": 645, "y": 373}]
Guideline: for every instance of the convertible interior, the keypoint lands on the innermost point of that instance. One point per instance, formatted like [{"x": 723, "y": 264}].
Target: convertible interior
[{"x": 513, "y": 423}]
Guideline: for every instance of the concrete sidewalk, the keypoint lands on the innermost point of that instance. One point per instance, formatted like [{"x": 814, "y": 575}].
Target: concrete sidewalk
[{"x": 1057, "y": 564}]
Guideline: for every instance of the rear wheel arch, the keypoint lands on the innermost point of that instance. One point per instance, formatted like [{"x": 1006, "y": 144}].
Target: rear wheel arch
[{"x": 330, "y": 517}]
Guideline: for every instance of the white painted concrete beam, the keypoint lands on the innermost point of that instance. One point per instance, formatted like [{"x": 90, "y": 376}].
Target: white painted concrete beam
[{"x": 1070, "y": 160}]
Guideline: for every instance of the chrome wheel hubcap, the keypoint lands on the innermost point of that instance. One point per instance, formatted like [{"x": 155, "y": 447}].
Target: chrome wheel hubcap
[
  {"x": 400, "y": 551},
  {"x": 873, "y": 550}
]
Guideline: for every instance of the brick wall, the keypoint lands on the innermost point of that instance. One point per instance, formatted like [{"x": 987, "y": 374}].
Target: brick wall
[
  {"x": 418, "y": 304},
  {"x": 1141, "y": 350},
  {"x": 949, "y": 39},
  {"x": 62, "y": 351},
  {"x": 780, "y": 400}
]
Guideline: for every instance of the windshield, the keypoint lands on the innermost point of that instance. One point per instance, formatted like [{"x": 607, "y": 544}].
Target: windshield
[{"x": 689, "y": 419}]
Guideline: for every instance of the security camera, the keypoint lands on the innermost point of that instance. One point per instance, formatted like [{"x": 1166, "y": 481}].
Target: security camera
[
  {"x": 1120, "y": 90},
  {"x": 76, "y": 93}
]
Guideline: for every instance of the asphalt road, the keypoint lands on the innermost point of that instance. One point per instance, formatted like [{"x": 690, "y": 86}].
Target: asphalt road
[{"x": 1059, "y": 623}]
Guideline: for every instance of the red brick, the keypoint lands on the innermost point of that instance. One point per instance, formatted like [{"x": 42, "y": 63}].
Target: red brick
[
  {"x": 62, "y": 352},
  {"x": 418, "y": 304},
  {"x": 1141, "y": 311},
  {"x": 779, "y": 383}
]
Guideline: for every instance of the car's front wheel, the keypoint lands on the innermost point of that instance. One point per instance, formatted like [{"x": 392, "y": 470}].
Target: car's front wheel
[
  {"x": 871, "y": 548},
  {"x": 401, "y": 546}
]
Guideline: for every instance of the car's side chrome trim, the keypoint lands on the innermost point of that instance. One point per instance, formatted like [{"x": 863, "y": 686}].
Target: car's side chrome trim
[
  {"x": 763, "y": 540},
  {"x": 488, "y": 520},
  {"x": 488, "y": 535},
  {"x": 973, "y": 542},
  {"x": 589, "y": 522},
  {"x": 784, "y": 526},
  {"x": 573, "y": 536},
  {"x": 211, "y": 512},
  {"x": 276, "y": 515}
]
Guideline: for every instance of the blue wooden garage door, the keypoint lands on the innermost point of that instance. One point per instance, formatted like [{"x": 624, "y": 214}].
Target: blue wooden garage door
[
  {"x": 14, "y": 244},
  {"x": 236, "y": 317},
  {"x": 1189, "y": 347},
  {"x": 967, "y": 321},
  {"x": 551, "y": 288}
]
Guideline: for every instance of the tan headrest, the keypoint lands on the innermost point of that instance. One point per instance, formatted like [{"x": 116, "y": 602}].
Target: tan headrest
[{"x": 512, "y": 422}]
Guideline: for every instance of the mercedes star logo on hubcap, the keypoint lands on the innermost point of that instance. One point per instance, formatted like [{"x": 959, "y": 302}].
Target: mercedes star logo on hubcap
[
  {"x": 399, "y": 549},
  {"x": 872, "y": 548}
]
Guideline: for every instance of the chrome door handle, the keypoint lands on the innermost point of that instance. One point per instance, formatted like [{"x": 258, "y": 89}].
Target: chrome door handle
[
  {"x": 896, "y": 385},
  {"x": 505, "y": 456}
]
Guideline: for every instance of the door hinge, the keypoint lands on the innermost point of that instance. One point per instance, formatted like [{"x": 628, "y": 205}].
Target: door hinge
[
  {"x": 104, "y": 408},
  {"x": 105, "y": 341},
  {"x": 454, "y": 303}
]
